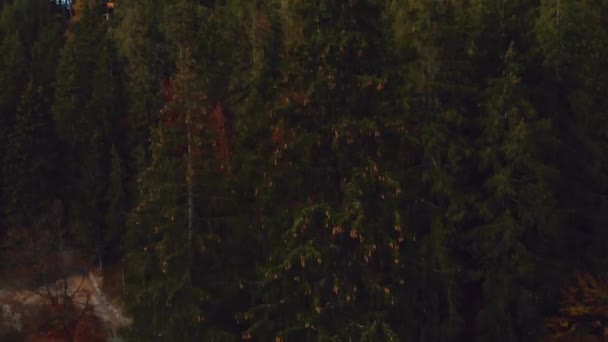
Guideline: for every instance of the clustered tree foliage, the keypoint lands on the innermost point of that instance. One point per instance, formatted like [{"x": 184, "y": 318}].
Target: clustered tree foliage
[
  {"x": 318, "y": 170},
  {"x": 582, "y": 314}
]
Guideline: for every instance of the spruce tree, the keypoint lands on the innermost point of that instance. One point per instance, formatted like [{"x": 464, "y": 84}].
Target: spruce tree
[
  {"x": 570, "y": 45},
  {"x": 334, "y": 267},
  {"x": 141, "y": 45},
  {"x": 162, "y": 224},
  {"x": 192, "y": 160},
  {"x": 487, "y": 199},
  {"x": 29, "y": 161},
  {"x": 116, "y": 198},
  {"x": 28, "y": 141},
  {"x": 81, "y": 119}
]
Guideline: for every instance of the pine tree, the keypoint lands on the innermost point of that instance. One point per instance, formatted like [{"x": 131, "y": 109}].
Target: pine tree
[
  {"x": 103, "y": 110},
  {"x": 28, "y": 141},
  {"x": 29, "y": 161},
  {"x": 334, "y": 267},
  {"x": 571, "y": 42},
  {"x": 483, "y": 142},
  {"x": 141, "y": 45},
  {"x": 514, "y": 205},
  {"x": 74, "y": 82},
  {"x": 116, "y": 215},
  {"x": 11, "y": 74},
  {"x": 84, "y": 108},
  {"x": 163, "y": 218},
  {"x": 159, "y": 241},
  {"x": 158, "y": 264}
]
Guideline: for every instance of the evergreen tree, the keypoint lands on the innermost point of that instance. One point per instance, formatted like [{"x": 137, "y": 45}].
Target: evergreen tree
[
  {"x": 141, "y": 45},
  {"x": 99, "y": 164},
  {"x": 163, "y": 220},
  {"x": 29, "y": 161},
  {"x": 338, "y": 271},
  {"x": 571, "y": 44},
  {"x": 85, "y": 108},
  {"x": 318, "y": 170},
  {"x": 12, "y": 75},
  {"x": 116, "y": 215},
  {"x": 74, "y": 83},
  {"x": 28, "y": 141},
  {"x": 159, "y": 242},
  {"x": 191, "y": 158}
]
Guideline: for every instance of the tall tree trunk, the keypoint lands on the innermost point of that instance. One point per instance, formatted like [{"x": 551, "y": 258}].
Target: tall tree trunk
[
  {"x": 185, "y": 75},
  {"x": 254, "y": 24},
  {"x": 189, "y": 175}
]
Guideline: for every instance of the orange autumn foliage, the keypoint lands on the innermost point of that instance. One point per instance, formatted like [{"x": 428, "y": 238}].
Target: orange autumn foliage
[
  {"x": 296, "y": 98},
  {"x": 220, "y": 124},
  {"x": 84, "y": 328},
  {"x": 76, "y": 13},
  {"x": 583, "y": 315},
  {"x": 168, "y": 116},
  {"x": 218, "y": 121},
  {"x": 278, "y": 135},
  {"x": 299, "y": 98},
  {"x": 89, "y": 329}
]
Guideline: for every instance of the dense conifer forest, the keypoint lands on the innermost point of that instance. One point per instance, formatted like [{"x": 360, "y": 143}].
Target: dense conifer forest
[{"x": 316, "y": 170}]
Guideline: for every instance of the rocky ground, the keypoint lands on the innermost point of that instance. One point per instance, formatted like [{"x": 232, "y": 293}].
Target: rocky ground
[
  {"x": 50, "y": 294},
  {"x": 74, "y": 307}
]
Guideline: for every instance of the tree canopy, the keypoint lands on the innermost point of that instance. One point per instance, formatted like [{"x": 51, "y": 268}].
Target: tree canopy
[{"x": 318, "y": 170}]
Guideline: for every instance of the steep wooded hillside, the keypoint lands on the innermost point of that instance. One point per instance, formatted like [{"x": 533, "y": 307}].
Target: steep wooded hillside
[{"x": 316, "y": 170}]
